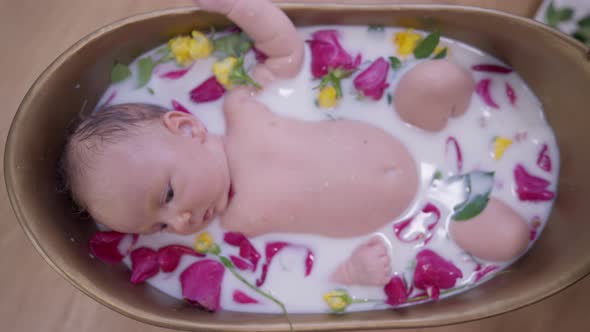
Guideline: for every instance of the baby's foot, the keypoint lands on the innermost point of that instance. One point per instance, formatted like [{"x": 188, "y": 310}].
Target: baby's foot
[{"x": 368, "y": 265}]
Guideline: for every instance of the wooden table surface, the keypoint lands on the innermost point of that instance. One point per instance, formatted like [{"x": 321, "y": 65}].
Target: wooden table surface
[{"x": 35, "y": 298}]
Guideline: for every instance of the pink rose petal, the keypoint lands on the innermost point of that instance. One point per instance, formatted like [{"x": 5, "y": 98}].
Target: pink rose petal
[
  {"x": 489, "y": 68},
  {"x": 178, "y": 107},
  {"x": 105, "y": 246},
  {"x": 109, "y": 100},
  {"x": 247, "y": 250},
  {"x": 176, "y": 74},
  {"x": 530, "y": 187},
  {"x": 372, "y": 82},
  {"x": 209, "y": 90},
  {"x": 144, "y": 264},
  {"x": 169, "y": 256},
  {"x": 483, "y": 90},
  {"x": 240, "y": 264},
  {"x": 327, "y": 53},
  {"x": 543, "y": 160},
  {"x": 510, "y": 94},
  {"x": 434, "y": 273},
  {"x": 243, "y": 298},
  {"x": 452, "y": 142},
  {"x": 272, "y": 249},
  {"x": 396, "y": 291},
  {"x": 201, "y": 283},
  {"x": 422, "y": 217}
]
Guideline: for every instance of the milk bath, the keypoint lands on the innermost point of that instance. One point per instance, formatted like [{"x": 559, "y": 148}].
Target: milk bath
[{"x": 466, "y": 145}]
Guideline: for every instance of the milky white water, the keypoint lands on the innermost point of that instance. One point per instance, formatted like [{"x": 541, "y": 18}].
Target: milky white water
[{"x": 474, "y": 132}]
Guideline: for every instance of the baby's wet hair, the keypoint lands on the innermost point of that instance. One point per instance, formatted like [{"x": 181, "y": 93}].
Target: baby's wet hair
[{"x": 90, "y": 133}]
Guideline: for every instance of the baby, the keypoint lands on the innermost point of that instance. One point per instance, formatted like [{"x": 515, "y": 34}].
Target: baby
[{"x": 140, "y": 168}]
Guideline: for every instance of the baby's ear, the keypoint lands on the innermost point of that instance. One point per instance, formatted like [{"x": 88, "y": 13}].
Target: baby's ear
[{"x": 185, "y": 125}]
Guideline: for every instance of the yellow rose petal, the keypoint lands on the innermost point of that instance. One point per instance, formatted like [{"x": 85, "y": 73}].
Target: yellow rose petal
[
  {"x": 406, "y": 42},
  {"x": 180, "y": 47},
  {"x": 500, "y": 145},
  {"x": 201, "y": 46},
  {"x": 222, "y": 70},
  {"x": 327, "y": 97},
  {"x": 337, "y": 300}
]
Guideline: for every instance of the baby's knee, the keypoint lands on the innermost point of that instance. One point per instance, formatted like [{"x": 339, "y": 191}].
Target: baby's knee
[
  {"x": 496, "y": 234},
  {"x": 432, "y": 92}
]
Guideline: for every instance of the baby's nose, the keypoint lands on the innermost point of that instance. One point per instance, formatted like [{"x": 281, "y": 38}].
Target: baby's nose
[{"x": 181, "y": 223}]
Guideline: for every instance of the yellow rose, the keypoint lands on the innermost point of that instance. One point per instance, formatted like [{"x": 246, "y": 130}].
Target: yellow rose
[
  {"x": 223, "y": 69},
  {"x": 204, "y": 242},
  {"x": 327, "y": 97},
  {"x": 337, "y": 300},
  {"x": 180, "y": 47},
  {"x": 187, "y": 49},
  {"x": 202, "y": 46},
  {"x": 500, "y": 145},
  {"x": 406, "y": 42}
]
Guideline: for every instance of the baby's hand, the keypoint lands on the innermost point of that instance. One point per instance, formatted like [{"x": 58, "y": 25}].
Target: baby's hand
[{"x": 270, "y": 29}]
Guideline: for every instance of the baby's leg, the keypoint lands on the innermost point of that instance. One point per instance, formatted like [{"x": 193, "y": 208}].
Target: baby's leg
[
  {"x": 272, "y": 31},
  {"x": 498, "y": 233},
  {"x": 369, "y": 265}
]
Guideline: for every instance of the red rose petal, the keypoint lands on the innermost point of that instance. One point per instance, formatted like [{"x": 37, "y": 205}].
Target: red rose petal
[
  {"x": 201, "y": 283},
  {"x": 543, "y": 160},
  {"x": 433, "y": 273},
  {"x": 480, "y": 273},
  {"x": 452, "y": 141},
  {"x": 105, "y": 246},
  {"x": 530, "y": 187},
  {"x": 489, "y": 68},
  {"x": 483, "y": 90},
  {"x": 372, "y": 82},
  {"x": 169, "y": 256},
  {"x": 247, "y": 250},
  {"x": 144, "y": 264},
  {"x": 423, "y": 216},
  {"x": 239, "y": 263},
  {"x": 272, "y": 249},
  {"x": 176, "y": 74},
  {"x": 260, "y": 56},
  {"x": 510, "y": 93},
  {"x": 243, "y": 298},
  {"x": 327, "y": 53},
  {"x": 209, "y": 90},
  {"x": 178, "y": 107},
  {"x": 396, "y": 291}
]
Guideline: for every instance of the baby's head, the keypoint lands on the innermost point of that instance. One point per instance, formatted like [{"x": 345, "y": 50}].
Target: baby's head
[{"x": 140, "y": 168}]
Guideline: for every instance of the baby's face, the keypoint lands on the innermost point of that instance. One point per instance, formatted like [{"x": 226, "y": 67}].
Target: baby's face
[{"x": 172, "y": 176}]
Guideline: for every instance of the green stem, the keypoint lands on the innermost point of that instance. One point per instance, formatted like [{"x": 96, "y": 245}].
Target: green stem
[{"x": 268, "y": 296}]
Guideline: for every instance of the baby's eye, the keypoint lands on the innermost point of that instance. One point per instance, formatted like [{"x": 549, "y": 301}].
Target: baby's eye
[
  {"x": 169, "y": 195},
  {"x": 163, "y": 226}
]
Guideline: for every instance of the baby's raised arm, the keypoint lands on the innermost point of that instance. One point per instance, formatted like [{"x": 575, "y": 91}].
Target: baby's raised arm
[{"x": 272, "y": 31}]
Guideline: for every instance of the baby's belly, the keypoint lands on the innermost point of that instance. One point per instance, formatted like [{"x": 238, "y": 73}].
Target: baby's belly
[{"x": 340, "y": 188}]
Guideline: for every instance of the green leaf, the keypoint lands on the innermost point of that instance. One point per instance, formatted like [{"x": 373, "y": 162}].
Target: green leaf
[
  {"x": 145, "y": 67},
  {"x": 232, "y": 45},
  {"x": 427, "y": 45},
  {"x": 584, "y": 22},
  {"x": 473, "y": 208},
  {"x": 554, "y": 15},
  {"x": 376, "y": 28},
  {"x": 151, "y": 91},
  {"x": 119, "y": 73},
  {"x": 227, "y": 262},
  {"x": 582, "y": 34},
  {"x": 389, "y": 98},
  {"x": 441, "y": 55},
  {"x": 437, "y": 175},
  {"x": 394, "y": 62}
]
